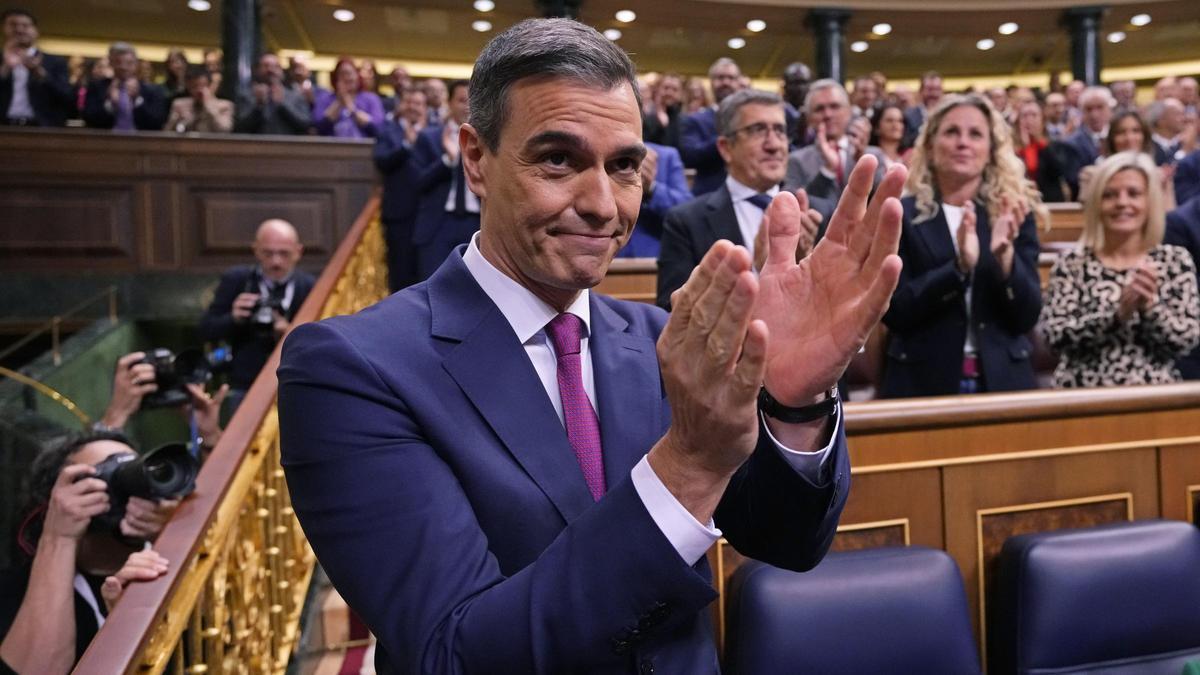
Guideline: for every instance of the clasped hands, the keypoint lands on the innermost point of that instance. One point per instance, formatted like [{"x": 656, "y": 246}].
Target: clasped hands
[
  {"x": 1004, "y": 230},
  {"x": 1140, "y": 293},
  {"x": 793, "y": 329}
]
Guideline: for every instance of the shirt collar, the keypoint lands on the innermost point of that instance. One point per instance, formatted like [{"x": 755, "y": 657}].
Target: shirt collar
[
  {"x": 525, "y": 312},
  {"x": 739, "y": 192}
]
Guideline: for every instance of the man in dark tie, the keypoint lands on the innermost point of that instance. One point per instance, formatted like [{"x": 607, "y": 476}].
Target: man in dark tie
[
  {"x": 253, "y": 305},
  {"x": 930, "y": 94},
  {"x": 271, "y": 107},
  {"x": 395, "y": 158},
  {"x": 823, "y": 167},
  {"x": 123, "y": 102},
  {"x": 34, "y": 90},
  {"x": 448, "y": 212},
  {"x": 698, "y": 134},
  {"x": 1166, "y": 120},
  {"x": 1066, "y": 158}
]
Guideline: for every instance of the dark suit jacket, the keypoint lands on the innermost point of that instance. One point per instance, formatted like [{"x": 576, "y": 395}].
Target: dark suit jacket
[
  {"x": 692, "y": 228},
  {"x": 292, "y": 116},
  {"x": 436, "y": 231},
  {"x": 250, "y": 347},
  {"x": 1187, "y": 178},
  {"x": 698, "y": 148},
  {"x": 438, "y": 488},
  {"x": 51, "y": 97},
  {"x": 1164, "y": 154},
  {"x": 670, "y": 190},
  {"x": 927, "y": 320},
  {"x": 151, "y": 115},
  {"x": 914, "y": 118},
  {"x": 395, "y": 158},
  {"x": 1183, "y": 229},
  {"x": 654, "y": 131}
]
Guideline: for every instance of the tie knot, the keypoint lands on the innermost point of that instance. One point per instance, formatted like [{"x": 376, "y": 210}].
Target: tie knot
[
  {"x": 760, "y": 200},
  {"x": 566, "y": 332}
]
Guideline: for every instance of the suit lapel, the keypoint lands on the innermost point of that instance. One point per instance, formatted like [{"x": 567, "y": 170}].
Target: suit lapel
[
  {"x": 722, "y": 221},
  {"x": 628, "y": 391},
  {"x": 934, "y": 235},
  {"x": 494, "y": 373}
]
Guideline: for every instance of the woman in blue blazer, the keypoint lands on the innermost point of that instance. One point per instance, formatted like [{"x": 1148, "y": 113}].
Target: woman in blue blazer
[{"x": 969, "y": 291}]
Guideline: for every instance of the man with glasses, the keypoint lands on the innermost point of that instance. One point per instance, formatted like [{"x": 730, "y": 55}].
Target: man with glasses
[
  {"x": 753, "y": 144},
  {"x": 698, "y": 135},
  {"x": 823, "y": 168}
]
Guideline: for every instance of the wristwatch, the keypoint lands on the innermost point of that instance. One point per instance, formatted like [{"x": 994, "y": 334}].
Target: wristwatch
[{"x": 776, "y": 410}]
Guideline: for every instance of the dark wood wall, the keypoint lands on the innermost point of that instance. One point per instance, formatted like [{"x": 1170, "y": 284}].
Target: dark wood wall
[{"x": 76, "y": 201}]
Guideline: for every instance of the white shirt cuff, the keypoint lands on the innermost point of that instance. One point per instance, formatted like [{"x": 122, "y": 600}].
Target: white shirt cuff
[
  {"x": 688, "y": 536},
  {"x": 811, "y": 465}
]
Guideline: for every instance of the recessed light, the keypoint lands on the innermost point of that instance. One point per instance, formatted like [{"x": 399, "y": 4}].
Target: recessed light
[
  {"x": 199, "y": 5},
  {"x": 343, "y": 15},
  {"x": 612, "y": 34},
  {"x": 626, "y": 16},
  {"x": 1140, "y": 19},
  {"x": 881, "y": 28},
  {"x": 736, "y": 43},
  {"x": 484, "y": 5},
  {"x": 1116, "y": 36},
  {"x": 985, "y": 44},
  {"x": 1008, "y": 28},
  {"x": 481, "y": 26},
  {"x": 859, "y": 47},
  {"x": 756, "y": 25}
]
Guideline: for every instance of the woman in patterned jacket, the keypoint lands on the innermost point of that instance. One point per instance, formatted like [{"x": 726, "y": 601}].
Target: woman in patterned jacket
[{"x": 1122, "y": 306}]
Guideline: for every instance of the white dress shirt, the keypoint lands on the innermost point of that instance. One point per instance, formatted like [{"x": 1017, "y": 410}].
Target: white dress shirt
[
  {"x": 528, "y": 316},
  {"x": 470, "y": 201},
  {"x": 20, "y": 106},
  {"x": 954, "y": 218},
  {"x": 749, "y": 216}
]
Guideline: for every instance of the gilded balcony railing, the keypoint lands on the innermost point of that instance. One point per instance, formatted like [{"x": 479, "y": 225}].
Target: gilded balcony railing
[{"x": 239, "y": 563}]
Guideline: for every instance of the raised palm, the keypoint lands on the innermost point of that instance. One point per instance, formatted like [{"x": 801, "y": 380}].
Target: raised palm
[{"x": 820, "y": 311}]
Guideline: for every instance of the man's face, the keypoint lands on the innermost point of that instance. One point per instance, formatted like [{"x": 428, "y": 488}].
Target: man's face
[
  {"x": 435, "y": 92},
  {"x": 197, "y": 87},
  {"x": 299, "y": 69},
  {"x": 277, "y": 251},
  {"x": 400, "y": 79},
  {"x": 1056, "y": 105},
  {"x": 1074, "y": 91},
  {"x": 756, "y": 154},
  {"x": 562, "y": 190},
  {"x": 413, "y": 108},
  {"x": 1096, "y": 113},
  {"x": 1189, "y": 91},
  {"x": 1168, "y": 87},
  {"x": 460, "y": 104},
  {"x": 998, "y": 98},
  {"x": 829, "y": 106},
  {"x": 724, "y": 79},
  {"x": 864, "y": 93},
  {"x": 124, "y": 65},
  {"x": 795, "y": 84},
  {"x": 1171, "y": 122},
  {"x": 670, "y": 92},
  {"x": 931, "y": 91},
  {"x": 269, "y": 68},
  {"x": 1123, "y": 91},
  {"x": 212, "y": 60},
  {"x": 20, "y": 30}
]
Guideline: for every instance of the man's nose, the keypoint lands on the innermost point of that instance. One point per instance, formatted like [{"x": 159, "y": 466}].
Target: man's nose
[{"x": 594, "y": 198}]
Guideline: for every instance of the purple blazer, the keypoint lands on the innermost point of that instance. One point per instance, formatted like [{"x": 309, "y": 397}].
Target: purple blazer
[{"x": 345, "y": 126}]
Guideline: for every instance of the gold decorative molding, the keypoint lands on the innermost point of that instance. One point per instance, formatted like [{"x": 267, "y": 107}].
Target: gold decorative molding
[{"x": 1025, "y": 454}]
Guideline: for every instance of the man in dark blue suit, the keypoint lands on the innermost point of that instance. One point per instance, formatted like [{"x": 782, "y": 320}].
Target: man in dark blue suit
[
  {"x": 1187, "y": 178},
  {"x": 1081, "y": 148},
  {"x": 486, "y": 463},
  {"x": 34, "y": 88},
  {"x": 698, "y": 137},
  {"x": 931, "y": 94},
  {"x": 664, "y": 186},
  {"x": 1183, "y": 229},
  {"x": 394, "y": 155},
  {"x": 123, "y": 102},
  {"x": 447, "y": 211}
]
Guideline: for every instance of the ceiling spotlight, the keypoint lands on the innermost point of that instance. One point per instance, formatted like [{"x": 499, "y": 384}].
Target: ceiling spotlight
[
  {"x": 736, "y": 43},
  {"x": 199, "y": 5},
  {"x": 1116, "y": 36},
  {"x": 1140, "y": 19},
  {"x": 985, "y": 44},
  {"x": 484, "y": 5},
  {"x": 859, "y": 47},
  {"x": 612, "y": 34},
  {"x": 481, "y": 26},
  {"x": 881, "y": 28},
  {"x": 626, "y": 16},
  {"x": 343, "y": 15},
  {"x": 756, "y": 25},
  {"x": 1008, "y": 28}
]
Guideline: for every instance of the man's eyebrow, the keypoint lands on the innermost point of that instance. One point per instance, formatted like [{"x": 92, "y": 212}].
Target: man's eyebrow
[{"x": 578, "y": 143}]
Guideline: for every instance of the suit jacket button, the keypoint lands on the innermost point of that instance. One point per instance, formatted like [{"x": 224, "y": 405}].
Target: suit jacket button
[{"x": 646, "y": 667}]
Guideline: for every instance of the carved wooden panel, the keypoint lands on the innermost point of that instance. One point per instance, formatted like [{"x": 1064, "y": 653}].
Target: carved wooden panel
[
  {"x": 226, "y": 219},
  {"x": 1179, "y": 474},
  {"x": 66, "y": 221},
  {"x": 871, "y": 535},
  {"x": 913, "y": 497}
]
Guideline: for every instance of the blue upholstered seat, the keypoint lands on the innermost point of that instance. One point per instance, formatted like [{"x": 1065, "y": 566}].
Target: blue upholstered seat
[
  {"x": 887, "y": 610},
  {"x": 1119, "y": 599}
]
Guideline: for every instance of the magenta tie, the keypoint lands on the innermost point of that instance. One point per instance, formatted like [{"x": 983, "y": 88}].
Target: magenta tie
[{"x": 583, "y": 429}]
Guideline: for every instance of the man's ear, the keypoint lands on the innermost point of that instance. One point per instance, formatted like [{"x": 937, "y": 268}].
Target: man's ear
[
  {"x": 474, "y": 158},
  {"x": 723, "y": 147}
]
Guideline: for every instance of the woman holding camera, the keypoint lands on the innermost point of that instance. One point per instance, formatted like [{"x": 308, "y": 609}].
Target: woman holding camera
[
  {"x": 1123, "y": 306},
  {"x": 51, "y": 609}
]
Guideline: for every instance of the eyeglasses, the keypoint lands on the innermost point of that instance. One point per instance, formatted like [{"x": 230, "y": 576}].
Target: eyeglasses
[{"x": 760, "y": 130}]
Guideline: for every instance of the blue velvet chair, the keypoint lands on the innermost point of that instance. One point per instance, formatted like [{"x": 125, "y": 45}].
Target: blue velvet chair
[
  {"x": 1119, "y": 599},
  {"x": 885, "y": 610}
]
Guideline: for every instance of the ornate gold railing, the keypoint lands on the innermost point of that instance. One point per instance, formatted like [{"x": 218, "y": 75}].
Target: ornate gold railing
[{"x": 239, "y": 563}]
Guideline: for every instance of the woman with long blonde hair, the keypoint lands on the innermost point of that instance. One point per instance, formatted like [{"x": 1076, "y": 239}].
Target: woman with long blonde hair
[
  {"x": 1122, "y": 306},
  {"x": 969, "y": 291}
]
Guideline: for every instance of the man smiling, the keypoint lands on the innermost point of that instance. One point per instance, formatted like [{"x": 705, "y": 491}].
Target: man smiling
[{"x": 486, "y": 463}]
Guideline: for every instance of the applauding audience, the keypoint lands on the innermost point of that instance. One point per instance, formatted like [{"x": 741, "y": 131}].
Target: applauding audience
[
  {"x": 124, "y": 102},
  {"x": 200, "y": 109},
  {"x": 349, "y": 111}
]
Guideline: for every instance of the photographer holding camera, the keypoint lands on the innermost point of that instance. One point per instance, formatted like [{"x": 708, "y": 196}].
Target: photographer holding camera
[
  {"x": 94, "y": 505},
  {"x": 253, "y": 306}
]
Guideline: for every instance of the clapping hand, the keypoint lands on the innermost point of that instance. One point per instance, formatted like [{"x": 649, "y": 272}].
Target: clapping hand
[
  {"x": 1005, "y": 229},
  {"x": 1140, "y": 293},
  {"x": 968, "y": 241},
  {"x": 810, "y": 225},
  {"x": 829, "y": 151}
]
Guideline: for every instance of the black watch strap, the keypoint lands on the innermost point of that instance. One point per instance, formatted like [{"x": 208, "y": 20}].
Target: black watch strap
[{"x": 776, "y": 410}]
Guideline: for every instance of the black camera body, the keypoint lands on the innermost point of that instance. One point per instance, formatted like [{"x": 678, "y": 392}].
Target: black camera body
[
  {"x": 172, "y": 372},
  {"x": 167, "y": 472},
  {"x": 262, "y": 317}
]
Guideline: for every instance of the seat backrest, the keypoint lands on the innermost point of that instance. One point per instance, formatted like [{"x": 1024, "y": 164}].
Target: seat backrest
[
  {"x": 1115, "y": 599},
  {"x": 885, "y": 610}
]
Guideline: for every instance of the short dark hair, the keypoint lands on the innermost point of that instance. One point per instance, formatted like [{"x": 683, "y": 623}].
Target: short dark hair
[
  {"x": 454, "y": 85},
  {"x": 727, "y": 113},
  {"x": 549, "y": 48},
  {"x": 195, "y": 73},
  {"x": 18, "y": 11}
]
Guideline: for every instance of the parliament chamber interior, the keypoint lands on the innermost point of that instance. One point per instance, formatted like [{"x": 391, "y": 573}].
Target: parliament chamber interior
[{"x": 1007, "y": 473}]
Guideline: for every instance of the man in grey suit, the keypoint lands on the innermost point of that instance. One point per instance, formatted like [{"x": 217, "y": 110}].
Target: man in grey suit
[
  {"x": 823, "y": 167},
  {"x": 271, "y": 107}
]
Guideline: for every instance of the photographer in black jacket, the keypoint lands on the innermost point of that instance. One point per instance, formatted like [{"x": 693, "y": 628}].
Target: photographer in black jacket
[{"x": 253, "y": 306}]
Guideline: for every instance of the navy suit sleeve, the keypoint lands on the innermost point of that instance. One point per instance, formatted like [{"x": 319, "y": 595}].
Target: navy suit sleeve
[
  {"x": 1187, "y": 178},
  {"x": 671, "y": 188},
  {"x": 151, "y": 115},
  {"x": 95, "y": 115},
  {"x": 431, "y": 170},
  {"x": 392, "y": 525},
  {"x": 697, "y": 148},
  {"x": 391, "y": 149}
]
